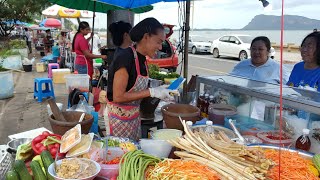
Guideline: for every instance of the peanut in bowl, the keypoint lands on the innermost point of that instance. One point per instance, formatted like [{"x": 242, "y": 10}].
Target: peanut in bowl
[{"x": 74, "y": 168}]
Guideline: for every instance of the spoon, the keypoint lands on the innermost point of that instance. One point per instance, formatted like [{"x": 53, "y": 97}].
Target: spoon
[{"x": 241, "y": 139}]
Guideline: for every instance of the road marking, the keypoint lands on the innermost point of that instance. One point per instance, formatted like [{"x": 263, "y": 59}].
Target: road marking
[
  {"x": 206, "y": 69},
  {"x": 215, "y": 59}
]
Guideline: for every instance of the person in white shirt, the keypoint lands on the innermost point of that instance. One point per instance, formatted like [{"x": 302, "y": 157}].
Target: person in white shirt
[
  {"x": 28, "y": 39},
  {"x": 96, "y": 43}
]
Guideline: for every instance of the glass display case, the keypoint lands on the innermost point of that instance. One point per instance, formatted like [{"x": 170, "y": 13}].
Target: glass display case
[{"x": 254, "y": 107}]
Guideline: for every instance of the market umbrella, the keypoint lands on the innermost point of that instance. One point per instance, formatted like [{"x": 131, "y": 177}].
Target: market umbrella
[
  {"x": 96, "y": 6},
  {"x": 56, "y": 11},
  {"x": 139, "y": 3},
  {"x": 51, "y": 22},
  {"x": 128, "y": 4}
]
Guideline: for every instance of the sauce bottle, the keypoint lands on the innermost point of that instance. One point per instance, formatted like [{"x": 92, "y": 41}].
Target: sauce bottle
[
  {"x": 303, "y": 142},
  {"x": 205, "y": 106},
  {"x": 200, "y": 101},
  {"x": 209, "y": 129}
]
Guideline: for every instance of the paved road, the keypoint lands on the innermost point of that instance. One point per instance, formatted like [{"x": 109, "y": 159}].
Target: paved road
[{"x": 205, "y": 64}]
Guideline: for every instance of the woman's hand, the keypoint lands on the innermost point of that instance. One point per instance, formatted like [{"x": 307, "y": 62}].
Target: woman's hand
[
  {"x": 104, "y": 56},
  {"x": 163, "y": 93}
]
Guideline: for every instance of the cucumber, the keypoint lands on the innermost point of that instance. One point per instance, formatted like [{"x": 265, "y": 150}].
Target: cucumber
[
  {"x": 47, "y": 161},
  {"x": 22, "y": 170},
  {"x": 37, "y": 171},
  {"x": 12, "y": 175}
]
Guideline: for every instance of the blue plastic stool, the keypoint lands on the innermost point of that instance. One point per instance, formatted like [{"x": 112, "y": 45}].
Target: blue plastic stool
[{"x": 39, "y": 92}]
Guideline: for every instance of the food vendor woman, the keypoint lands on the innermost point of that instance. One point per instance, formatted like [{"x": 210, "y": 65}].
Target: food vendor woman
[
  {"x": 306, "y": 74},
  {"x": 80, "y": 45},
  {"x": 128, "y": 79}
]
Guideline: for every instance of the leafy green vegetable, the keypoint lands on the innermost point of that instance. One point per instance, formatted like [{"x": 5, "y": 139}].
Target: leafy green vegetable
[
  {"x": 154, "y": 73},
  {"x": 17, "y": 44}
]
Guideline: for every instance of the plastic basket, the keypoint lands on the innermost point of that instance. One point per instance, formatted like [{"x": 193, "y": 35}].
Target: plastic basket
[
  {"x": 6, "y": 161},
  {"x": 79, "y": 81}
]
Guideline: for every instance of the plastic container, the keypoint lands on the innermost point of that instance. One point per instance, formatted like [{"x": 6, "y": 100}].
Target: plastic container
[
  {"x": 60, "y": 106},
  {"x": 218, "y": 112},
  {"x": 27, "y": 68},
  {"x": 111, "y": 170},
  {"x": 6, "y": 84},
  {"x": 52, "y": 172},
  {"x": 72, "y": 117},
  {"x": 79, "y": 81},
  {"x": 155, "y": 147},
  {"x": 41, "y": 67},
  {"x": 70, "y": 139},
  {"x": 171, "y": 113},
  {"x": 166, "y": 134},
  {"x": 58, "y": 75},
  {"x": 272, "y": 137},
  {"x": 82, "y": 147}
]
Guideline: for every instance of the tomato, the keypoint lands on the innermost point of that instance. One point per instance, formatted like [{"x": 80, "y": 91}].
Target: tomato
[
  {"x": 42, "y": 148},
  {"x": 57, "y": 145},
  {"x": 38, "y": 145},
  {"x": 53, "y": 151},
  {"x": 45, "y": 134},
  {"x": 50, "y": 146},
  {"x": 39, "y": 138}
]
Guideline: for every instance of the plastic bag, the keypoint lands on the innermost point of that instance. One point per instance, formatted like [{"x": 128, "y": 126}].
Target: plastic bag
[
  {"x": 13, "y": 62},
  {"x": 83, "y": 105}
]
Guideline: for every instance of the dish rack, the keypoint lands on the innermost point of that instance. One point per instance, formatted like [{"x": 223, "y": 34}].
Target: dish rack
[{"x": 6, "y": 161}]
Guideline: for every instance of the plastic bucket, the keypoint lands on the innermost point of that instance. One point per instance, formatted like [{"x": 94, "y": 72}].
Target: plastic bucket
[
  {"x": 171, "y": 113},
  {"x": 72, "y": 117},
  {"x": 218, "y": 112},
  {"x": 6, "y": 84},
  {"x": 27, "y": 68}
]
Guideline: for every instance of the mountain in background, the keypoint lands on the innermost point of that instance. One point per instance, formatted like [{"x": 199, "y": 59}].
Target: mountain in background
[{"x": 291, "y": 22}]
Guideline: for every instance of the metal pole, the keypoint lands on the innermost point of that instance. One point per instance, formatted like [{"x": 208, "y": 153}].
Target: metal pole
[
  {"x": 92, "y": 32},
  {"x": 186, "y": 44}
]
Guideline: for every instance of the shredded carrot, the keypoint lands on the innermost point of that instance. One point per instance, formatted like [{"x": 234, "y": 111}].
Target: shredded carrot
[
  {"x": 292, "y": 167},
  {"x": 181, "y": 169}
]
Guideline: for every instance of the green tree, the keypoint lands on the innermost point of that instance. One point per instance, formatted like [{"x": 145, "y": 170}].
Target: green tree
[{"x": 22, "y": 10}]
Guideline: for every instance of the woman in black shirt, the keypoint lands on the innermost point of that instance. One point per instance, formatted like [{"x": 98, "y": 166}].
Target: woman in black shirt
[{"x": 128, "y": 79}]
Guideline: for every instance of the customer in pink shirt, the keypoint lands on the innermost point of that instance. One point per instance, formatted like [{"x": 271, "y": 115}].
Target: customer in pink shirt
[{"x": 80, "y": 45}]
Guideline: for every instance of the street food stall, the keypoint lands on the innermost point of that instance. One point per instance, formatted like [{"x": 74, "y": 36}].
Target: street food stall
[{"x": 233, "y": 131}]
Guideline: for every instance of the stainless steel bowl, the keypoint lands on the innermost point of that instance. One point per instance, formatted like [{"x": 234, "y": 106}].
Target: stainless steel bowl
[
  {"x": 216, "y": 128},
  {"x": 305, "y": 155},
  {"x": 13, "y": 144}
]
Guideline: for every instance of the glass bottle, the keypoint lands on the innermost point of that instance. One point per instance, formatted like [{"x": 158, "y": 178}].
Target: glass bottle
[
  {"x": 209, "y": 129},
  {"x": 303, "y": 142},
  {"x": 189, "y": 125},
  {"x": 204, "y": 113},
  {"x": 200, "y": 101}
]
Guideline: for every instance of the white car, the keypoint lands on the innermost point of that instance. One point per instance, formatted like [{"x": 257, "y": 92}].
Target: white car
[
  {"x": 198, "y": 46},
  {"x": 234, "y": 46}
]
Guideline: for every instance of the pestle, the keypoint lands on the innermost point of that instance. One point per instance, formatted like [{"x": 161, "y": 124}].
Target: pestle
[{"x": 55, "y": 110}]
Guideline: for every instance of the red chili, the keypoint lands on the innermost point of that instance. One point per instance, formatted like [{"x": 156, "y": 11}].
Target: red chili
[{"x": 113, "y": 161}]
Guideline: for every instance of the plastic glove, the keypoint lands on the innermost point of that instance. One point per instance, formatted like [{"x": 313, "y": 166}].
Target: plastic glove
[{"x": 163, "y": 93}]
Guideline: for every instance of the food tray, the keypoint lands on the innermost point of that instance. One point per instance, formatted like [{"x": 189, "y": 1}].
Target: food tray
[{"x": 5, "y": 161}]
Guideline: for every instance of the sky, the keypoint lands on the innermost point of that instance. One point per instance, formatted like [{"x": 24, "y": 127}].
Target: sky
[{"x": 217, "y": 14}]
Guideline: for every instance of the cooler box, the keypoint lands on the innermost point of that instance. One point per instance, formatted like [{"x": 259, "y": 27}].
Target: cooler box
[
  {"x": 79, "y": 81},
  {"x": 41, "y": 67},
  {"x": 58, "y": 75}
]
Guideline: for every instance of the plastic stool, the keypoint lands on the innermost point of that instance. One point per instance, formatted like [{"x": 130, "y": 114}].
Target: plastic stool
[
  {"x": 39, "y": 92},
  {"x": 50, "y": 67}
]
